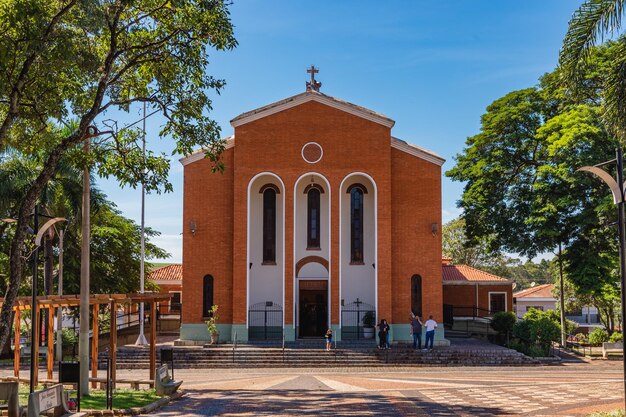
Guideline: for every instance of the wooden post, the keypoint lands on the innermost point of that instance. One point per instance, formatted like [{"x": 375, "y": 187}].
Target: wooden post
[
  {"x": 94, "y": 344},
  {"x": 152, "y": 339},
  {"x": 51, "y": 341},
  {"x": 18, "y": 346},
  {"x": 34, "y": 345},
  {"x": 113, "y": 341}
]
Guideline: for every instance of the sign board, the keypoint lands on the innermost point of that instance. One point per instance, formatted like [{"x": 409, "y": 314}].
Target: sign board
[
  {"x": 162, "y": 372},
  {"x": 48, "y": 399},
  {"x": 69, "y": 372},
  {"x": 167, "y": 355}
]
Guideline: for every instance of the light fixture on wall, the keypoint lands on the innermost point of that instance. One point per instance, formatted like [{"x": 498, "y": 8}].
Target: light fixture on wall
[
  {"x": 193, "y": 227},
  {"x": 312, "y": 179},
  {"x": 433, "y": 228}
]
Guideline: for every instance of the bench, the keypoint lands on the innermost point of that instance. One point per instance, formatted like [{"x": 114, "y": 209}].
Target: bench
[
  {"x": 163, "y": 383},
  {"x": 612, "y": 347},
  {"x": 52, "y": 398},
  {"x": 134, "y": 383},
  {"x": 9, "y": 393}
]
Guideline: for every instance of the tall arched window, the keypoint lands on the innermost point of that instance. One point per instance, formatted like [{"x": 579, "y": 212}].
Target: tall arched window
[
  {"x": 269, "y": 226},
  {"x": 313, "y": 219},
  {"x": 207, "y": 295},
  {"x": 416, "y": 295},
  {"x": 356, "y": 223}
]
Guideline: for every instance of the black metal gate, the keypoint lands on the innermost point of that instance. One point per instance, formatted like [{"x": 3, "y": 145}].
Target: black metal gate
[
  {"x": 265, "y": 321},
  {"x": 357, "y": 321}
]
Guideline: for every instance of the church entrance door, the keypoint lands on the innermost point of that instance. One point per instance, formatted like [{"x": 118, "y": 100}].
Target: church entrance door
[{"x": 312, "y": 308}]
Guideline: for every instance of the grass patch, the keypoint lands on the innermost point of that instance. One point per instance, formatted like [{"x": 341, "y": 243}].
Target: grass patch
[
  {"x": 122, "y": 398},
  {"x": 614, "y": 413},
  {"x": 96, "y": 400}
]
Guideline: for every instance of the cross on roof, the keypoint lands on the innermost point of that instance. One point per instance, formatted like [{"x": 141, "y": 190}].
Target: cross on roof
[{"x": 313, "y": 84}]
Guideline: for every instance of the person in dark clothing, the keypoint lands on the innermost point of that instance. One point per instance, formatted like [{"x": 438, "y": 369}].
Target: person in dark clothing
[
  {"x": 416, "y": 332},
  {"x": 383, "y": 334}
]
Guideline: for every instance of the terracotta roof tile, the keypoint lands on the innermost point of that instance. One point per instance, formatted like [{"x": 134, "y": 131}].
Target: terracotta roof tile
[
  {"x": 172, "y": 272},
  {"x": 539, "y": 291},
  {"x": 467, "y": 273}
]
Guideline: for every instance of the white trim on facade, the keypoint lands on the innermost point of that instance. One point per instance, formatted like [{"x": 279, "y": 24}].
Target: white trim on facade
[
  {"x": 283, "y": 190},
  {"x": 295, "y": 261},
  {"x": 506, "y": 301},
  {"x": 369, "y": 177},
  {"x": 198, "y": 154},
  {"x": 477, "y": 282},
  {"x": 414, "y": 150},
  {"x": 167, "y": 282},
  {"x": 312, "y": 96},
  {"x": 318, "y": 159}
]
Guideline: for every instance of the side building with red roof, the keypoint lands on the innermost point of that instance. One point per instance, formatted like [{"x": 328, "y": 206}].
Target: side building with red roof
[
  {"x": 468, "y": 291},
  {"x": 169, "y": 278}
]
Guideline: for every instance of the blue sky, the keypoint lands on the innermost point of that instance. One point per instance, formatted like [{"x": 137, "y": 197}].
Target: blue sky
[{"x": 433, "y": 67}]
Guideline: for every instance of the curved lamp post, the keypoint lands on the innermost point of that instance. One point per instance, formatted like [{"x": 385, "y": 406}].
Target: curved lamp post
[
  {"x": 617, "y": 189},
  {"x": 34, "y": 327}
]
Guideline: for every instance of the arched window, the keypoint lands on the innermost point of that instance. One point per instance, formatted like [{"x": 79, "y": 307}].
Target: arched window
[
  {"x": 416, "y": 295},
  {"x": 356, "y": 224},
  {"x": 313, "y": 218},
  {"x": 269, "y": 226},
  {"x": 207, "y": 295}
]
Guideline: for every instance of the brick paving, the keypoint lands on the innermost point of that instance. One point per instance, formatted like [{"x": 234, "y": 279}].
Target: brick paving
[{"x": 562, "y": 390}]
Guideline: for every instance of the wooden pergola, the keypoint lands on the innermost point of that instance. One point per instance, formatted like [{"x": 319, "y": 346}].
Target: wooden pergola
[{"x": 53, "y": 302}]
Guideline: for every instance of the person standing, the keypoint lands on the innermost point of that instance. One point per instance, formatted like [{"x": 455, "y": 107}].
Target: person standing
[
  {"x": 416, "y": 332},
  {"x": 430, "y": 325},
  {"x": 329, "y": 339},
  {"x": 383, "y": 334}
]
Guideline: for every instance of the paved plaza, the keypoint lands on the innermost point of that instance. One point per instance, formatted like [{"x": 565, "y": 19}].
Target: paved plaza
[{"x": 561, "y": 390}]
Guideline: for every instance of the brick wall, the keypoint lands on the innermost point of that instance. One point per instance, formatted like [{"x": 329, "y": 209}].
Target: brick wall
[{"x": 465, "y": 295}]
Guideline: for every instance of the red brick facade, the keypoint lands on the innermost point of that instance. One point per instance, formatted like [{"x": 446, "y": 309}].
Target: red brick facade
[{"x": 408, "y": 204}]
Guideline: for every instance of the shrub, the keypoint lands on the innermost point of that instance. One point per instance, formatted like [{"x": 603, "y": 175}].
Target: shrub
[
  {"x": 503, "y": 321},
  {"x": 544, "y": 331},
  {"x": 598, "y": 336},
  {"x": 369, "y": 320},
  {"x": 616, "y": 337},
  {"x": 521, "y": 330},
  {"x": 580, "y": 337}
]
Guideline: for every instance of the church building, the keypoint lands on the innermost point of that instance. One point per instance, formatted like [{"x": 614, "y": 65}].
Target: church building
[{"x": 321, "y": 219}]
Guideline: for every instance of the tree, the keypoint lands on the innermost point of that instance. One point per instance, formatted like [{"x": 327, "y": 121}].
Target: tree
[
  {"x": 115, "y": 239},
  {"x": 594, "y": 20},
  {"x": 522, "y": 189},
  {"x": 457, "y": 246},
  {"x": 63, "y": 60}
]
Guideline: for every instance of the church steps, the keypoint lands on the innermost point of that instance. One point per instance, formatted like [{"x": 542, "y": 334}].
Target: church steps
[{"x": 250, "y": 356}]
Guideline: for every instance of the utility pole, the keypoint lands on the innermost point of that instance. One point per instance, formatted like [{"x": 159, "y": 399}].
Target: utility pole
[
  {"x": 60, "y": 309},
  {"x": 83, "y": 336},
  {"x": 34, "y": 323},
  {"x": 141, "y": 340}
]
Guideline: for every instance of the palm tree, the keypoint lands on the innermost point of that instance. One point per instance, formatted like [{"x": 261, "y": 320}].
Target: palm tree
[{"x": 593, "y": 21}]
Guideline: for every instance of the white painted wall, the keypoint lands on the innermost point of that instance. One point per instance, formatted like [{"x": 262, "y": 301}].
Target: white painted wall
[
  {"x": 300, "y": 229},
  {"x": 265, "y": 281},
  {"x": 358, "y": 281}
]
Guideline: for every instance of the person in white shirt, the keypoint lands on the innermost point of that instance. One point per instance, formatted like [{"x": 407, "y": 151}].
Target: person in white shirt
[{"x": 430, "y": 325}]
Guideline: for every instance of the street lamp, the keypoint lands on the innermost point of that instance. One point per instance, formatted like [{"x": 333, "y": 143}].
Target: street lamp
[
  {"x": 617, "y": 189},
  {"x": 34, "y": 325}
]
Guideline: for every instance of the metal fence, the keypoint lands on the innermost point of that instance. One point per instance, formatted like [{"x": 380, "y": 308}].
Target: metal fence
[
  {"x": 265, "y": 321},
  {"x": 352, "y": 320}
]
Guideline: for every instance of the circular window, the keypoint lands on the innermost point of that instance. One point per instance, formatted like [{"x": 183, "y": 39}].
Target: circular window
[{"x": 312, "y": 152}]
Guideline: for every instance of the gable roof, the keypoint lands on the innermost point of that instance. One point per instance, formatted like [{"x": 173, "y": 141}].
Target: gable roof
[
  {"x": 539, "y": 291},
  {"x": 464, "y": 274},
  {"x": 307, "y": 96},
  {"x": 168, "y": 273}
]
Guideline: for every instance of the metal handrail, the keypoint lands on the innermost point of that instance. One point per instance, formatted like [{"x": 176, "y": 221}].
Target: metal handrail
[
  {"x": 283, "y": 346},
  {"x": 234, "y": 346}
]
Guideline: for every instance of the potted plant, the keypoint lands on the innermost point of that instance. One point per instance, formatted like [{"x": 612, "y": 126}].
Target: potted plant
[
  {"x": 211, "y": 325},
  {"x": 369, "y": 320}
]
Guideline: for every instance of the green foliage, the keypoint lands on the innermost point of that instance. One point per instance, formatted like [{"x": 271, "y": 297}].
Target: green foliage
[
  {"x": 503, "y": 321},
  {"x": 69, "y": 337},
  {"x": 521, "y": 330},
  {"x": 616, "y": 337},
  {"x": 369, "y": 320},
  {"x": 522, "y": 191},
  {"x": 598, "y": 336},
  {"x": 543, "y": 332},
  {"x": 211, "y": 323}
]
